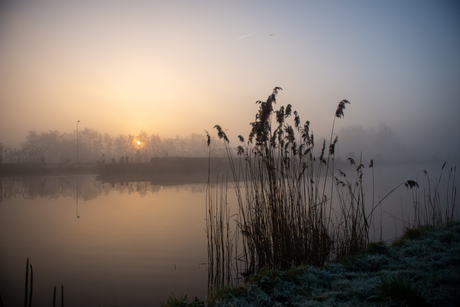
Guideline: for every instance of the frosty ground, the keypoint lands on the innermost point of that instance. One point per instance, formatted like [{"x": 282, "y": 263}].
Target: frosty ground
[{"x": 422, "y": 268}]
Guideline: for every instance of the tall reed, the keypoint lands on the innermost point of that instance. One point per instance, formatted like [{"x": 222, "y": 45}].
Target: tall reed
[
  {"x": 434, "y": 211},
  {"x": 28, "y": 292},
  {"x": 353, "y": 226},
  {"x": 219, "y": 235},
  {"x": 285, "y": 214}
]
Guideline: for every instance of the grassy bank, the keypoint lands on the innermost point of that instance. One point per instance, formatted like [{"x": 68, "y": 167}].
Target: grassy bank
[
  {"x": 421, "y": 268},
  {"x": 297, "y": 209}
]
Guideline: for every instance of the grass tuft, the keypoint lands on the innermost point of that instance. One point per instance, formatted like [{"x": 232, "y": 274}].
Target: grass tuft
[
  {"x": 413, "y": 233},
  {"x": 401, "y": 290}
]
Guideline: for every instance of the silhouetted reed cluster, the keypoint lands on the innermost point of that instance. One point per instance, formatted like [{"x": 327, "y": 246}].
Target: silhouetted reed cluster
[
  {"x": 437, "y": 208},
  {"x": 284, "y": 188}
]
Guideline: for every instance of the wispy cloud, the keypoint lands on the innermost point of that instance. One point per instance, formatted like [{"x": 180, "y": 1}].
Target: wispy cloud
[{"x": 248, "y": 34}]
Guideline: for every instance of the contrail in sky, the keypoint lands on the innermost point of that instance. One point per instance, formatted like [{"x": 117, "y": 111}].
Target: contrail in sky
[{"x": 248, "y": 34}]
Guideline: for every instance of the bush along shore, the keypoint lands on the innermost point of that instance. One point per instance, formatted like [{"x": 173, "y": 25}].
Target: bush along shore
[{"x": 421, "y": 268}]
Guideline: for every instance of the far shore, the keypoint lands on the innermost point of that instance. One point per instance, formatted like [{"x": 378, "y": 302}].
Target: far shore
[
  {"x": 156, "y": 166},
  {"x": 140, "y": 171}
]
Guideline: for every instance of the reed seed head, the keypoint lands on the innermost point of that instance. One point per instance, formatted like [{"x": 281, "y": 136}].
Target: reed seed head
[
  {"x": 221, "y": 134},
  {"x": 411, "y": 184},
  {"x": 340, "y": 108},
  {"x": 208, "y": 137}
]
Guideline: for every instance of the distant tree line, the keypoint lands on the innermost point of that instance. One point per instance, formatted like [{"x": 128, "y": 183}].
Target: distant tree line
[
  {"x": 61, "y": 148},
  {"x": 380, "y": 143}
]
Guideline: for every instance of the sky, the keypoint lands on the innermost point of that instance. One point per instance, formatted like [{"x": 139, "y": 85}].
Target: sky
[{"x": 180, "y": 67}]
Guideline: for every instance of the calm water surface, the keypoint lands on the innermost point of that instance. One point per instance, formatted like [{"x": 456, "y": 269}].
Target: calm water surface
[
  {"x": 123, "y": 245},
  {"x": 136, "y": 243}
]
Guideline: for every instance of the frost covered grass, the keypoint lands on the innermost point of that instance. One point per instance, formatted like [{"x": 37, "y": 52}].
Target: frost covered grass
[{"x": 413, "y": 271}]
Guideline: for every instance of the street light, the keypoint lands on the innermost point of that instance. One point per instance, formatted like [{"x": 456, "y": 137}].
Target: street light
[{"x": 77, "y": 141}]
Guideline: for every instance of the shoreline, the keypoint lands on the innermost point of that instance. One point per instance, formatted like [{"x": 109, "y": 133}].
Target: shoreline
[
  {"x": 155, "y": 166},
  {"x": 421, "y": 268}
]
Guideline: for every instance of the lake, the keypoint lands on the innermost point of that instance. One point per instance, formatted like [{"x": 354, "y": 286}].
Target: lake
[
  {"x": 129, "y": 244},
  {"x": 134, "y": 243}
]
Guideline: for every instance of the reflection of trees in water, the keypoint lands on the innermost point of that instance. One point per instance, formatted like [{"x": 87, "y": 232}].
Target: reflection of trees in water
[
  {"x": 142, "y": 188},
  {"x": 88, "y": 187},
  {"x": 49, "y": 187},
  {"x": 145, "y": 187},
  {"x": 29, "y": 188},
  {"x": 197, "y": 188}
]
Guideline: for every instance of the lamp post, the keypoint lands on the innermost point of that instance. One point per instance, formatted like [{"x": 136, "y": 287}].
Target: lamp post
[
  {"x": 77, "y": 141},
  {"x": 76, "y": 191}
]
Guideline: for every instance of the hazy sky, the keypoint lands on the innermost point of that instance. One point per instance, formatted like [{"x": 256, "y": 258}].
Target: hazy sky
[{"x": 178, "y": 67}]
